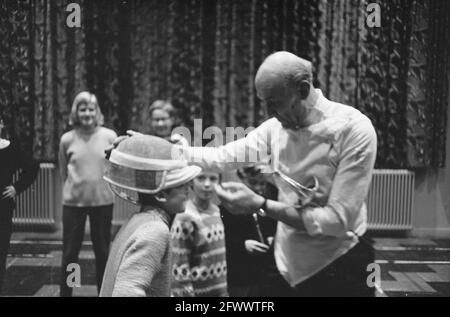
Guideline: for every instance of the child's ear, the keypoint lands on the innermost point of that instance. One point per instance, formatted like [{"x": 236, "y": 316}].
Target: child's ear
[{"x": 161, "y": 196}]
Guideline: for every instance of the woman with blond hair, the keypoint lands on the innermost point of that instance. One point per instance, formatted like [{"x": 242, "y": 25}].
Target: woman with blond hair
[{"x": 82, "y": 163}]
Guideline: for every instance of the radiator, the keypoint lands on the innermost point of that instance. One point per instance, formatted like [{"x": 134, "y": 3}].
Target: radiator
[
  {"x": 35, "y": 207},
  {"x": 390, "y": 200}
]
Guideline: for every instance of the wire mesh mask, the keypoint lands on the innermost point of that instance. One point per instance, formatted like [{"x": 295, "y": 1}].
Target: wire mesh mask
[{"x": 129, "y": 174}]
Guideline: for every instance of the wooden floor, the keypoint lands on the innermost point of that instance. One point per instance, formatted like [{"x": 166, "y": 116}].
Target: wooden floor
[
  {"x": 409, "y": 267},
  {"x": 414, "y": 267}
]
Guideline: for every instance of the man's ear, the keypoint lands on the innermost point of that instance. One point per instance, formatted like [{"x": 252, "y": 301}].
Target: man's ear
[{"x": 304, "y": 88}]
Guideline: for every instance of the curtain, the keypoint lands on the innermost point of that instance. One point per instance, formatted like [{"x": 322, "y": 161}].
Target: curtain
[{"x": 203, "y": 54}]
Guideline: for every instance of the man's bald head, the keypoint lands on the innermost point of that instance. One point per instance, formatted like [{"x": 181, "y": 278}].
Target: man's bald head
[
  {"x": 284, "y": 85},
  {"x": 284, "y": 67}
]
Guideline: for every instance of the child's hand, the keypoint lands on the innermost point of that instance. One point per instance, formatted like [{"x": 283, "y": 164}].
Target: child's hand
[
  {"x": 270, "y": 240},
  {"x": 253, "y": 246}
]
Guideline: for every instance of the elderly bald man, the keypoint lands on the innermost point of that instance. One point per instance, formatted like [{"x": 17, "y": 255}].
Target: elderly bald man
[{"x": 317, "y": 246}]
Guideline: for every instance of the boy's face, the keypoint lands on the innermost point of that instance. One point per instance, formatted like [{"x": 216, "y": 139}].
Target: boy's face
[
  {"x": 176, "y": 199},
  {"x": 203, "y": 185}
]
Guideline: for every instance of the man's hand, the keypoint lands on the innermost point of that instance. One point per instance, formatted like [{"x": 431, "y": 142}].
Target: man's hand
[
  {"x": 253, "y": 246},
  {"x": 118, "y": 140},
  {"x": 133, "y": 133},
  {"x": 238, "y": 198},
  {"x": 9, "y": 192}
]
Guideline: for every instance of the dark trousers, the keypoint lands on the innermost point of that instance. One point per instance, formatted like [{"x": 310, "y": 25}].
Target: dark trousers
[
  {"x": 74, "y": 219},
  {"x": 6, "y": 214},
  {"x": 345, "y": 277}
]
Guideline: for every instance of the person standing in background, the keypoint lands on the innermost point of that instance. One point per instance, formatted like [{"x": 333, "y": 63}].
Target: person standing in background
[
  {"x": 161, "y": 118},
  {"x": 252, "y": 271},
  {"x": 82, "y": 164},
  {"x": 12, "y": 159}
]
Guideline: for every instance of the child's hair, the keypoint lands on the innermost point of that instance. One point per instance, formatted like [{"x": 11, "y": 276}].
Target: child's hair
[
  {"x": 85, "y": 97},
  {"x": 164, "y": 105},
  {"x": 248, "y": 172},
  {"x": 210, "y": 171}
]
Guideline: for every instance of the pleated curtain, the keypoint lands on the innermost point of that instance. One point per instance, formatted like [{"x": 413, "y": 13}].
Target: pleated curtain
[{"x": 203, "y": 54}]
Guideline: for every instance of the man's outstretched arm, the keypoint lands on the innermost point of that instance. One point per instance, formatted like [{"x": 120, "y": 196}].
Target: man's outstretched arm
[
  {"x": 347, "y": 195},
  {"x": 254, "y": 148}
]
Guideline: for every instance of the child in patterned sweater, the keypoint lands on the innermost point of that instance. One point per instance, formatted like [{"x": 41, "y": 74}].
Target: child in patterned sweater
[{"x": 198, "y": 244}]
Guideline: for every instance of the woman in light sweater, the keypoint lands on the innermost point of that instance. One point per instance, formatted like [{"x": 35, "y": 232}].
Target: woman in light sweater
[{"x": 85, "y": 193}]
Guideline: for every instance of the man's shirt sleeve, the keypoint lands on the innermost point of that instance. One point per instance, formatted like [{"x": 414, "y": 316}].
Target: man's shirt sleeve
[
  {"x": 350, "y": 185},
  {"x": 254, "y": 148}
]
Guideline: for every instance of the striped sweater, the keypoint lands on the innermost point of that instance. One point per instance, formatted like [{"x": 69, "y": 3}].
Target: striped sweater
[{"x": 199, "y": 260}]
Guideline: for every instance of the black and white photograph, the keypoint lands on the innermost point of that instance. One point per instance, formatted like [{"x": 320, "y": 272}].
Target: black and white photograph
[{"x": 242, "y": 150}]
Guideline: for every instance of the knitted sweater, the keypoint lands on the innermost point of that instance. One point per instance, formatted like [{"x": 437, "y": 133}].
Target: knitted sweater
[
  {"x": 140, "y": 258},
  {"x": 82, "y": 164},
  {"x": 199, "y": 260}
]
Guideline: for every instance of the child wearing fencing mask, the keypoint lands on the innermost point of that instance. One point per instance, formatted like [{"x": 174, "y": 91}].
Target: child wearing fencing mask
[{"x": 140, "y": 258}]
